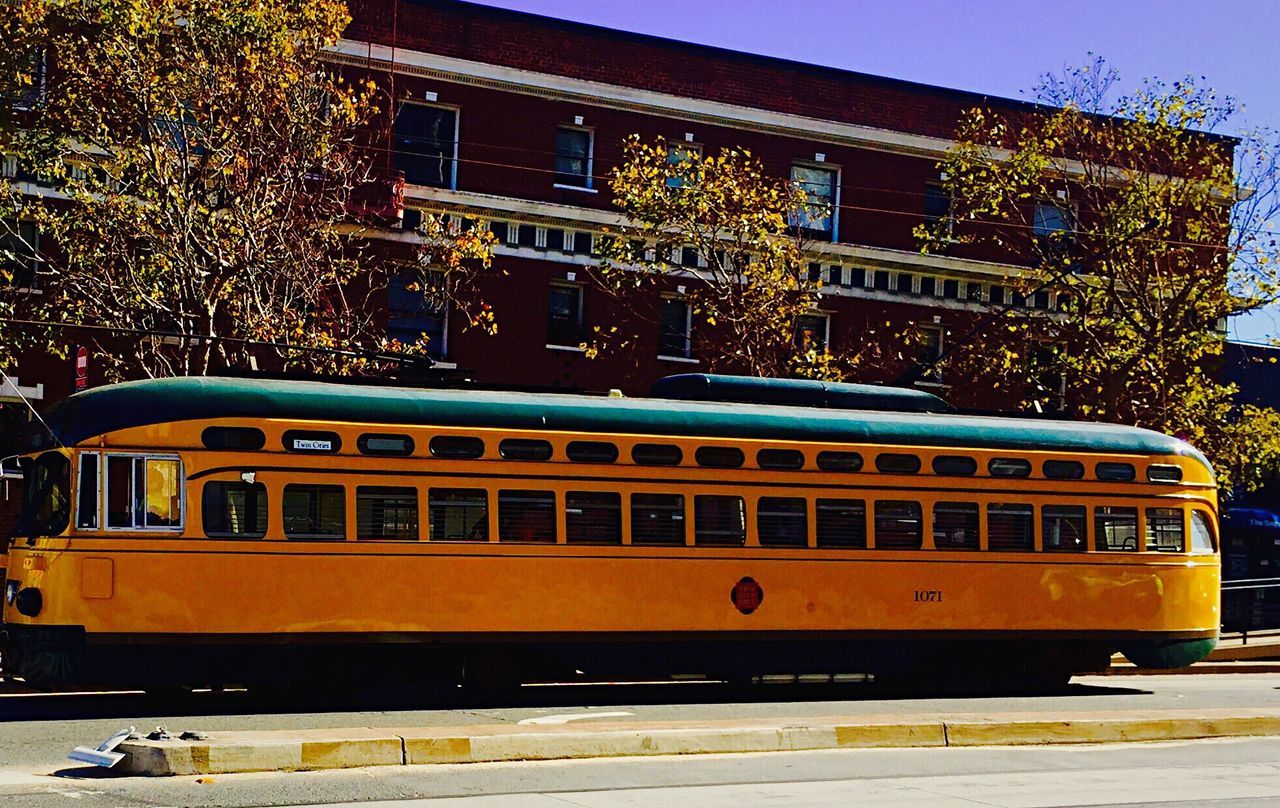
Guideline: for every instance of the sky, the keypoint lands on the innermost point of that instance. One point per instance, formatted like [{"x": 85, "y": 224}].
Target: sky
[{"x": 998, "y": 47}]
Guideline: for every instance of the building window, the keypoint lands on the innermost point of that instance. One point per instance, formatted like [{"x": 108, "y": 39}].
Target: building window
[
  {"x": 32, "y": 66},
  {"x": 719, "y": 520},
  {"x": 315, "y": 512},
  {"x": 1054, "y": 228},
  {"x": 527, "y": 516},
  {"x": 19, "y": 254},
  {"x": 937, "y": 203},
  {"x": 234, "y": 510},
  {"x": 593, "y": 517},
  {"x": 675, "y": 329},
  {"x": 573, "y": 157},
  {"x": 144, "y": 493},
  {"x": 564, "y": 315},
  {"x": 929, "y": 355},
  {"x": 426, "y": 145},
  {"x": 414, "y": 314},
  {"x": 657, "y": 519},
  {"x": 458, "y": 514},
  {"x": 682, "y": 157},
  {"x": 812, "y": 332},
  {"x": 386, "y": 513},
  {"x": 820, "y": 186}
]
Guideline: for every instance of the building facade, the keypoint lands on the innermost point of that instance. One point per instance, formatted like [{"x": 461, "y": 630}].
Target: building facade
[{"x": 518, "y": 119}]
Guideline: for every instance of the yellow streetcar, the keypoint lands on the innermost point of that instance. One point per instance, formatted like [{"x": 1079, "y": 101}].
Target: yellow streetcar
[{"x": 211, "y": 531}]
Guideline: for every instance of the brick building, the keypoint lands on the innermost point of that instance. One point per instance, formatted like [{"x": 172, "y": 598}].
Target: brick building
[{"x": 517, "y": 119}]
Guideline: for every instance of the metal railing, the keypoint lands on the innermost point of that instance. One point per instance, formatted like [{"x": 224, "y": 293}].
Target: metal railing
[{"x": 1251, "y": 605}]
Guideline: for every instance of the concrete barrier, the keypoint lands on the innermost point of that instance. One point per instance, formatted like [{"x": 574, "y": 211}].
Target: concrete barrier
[{"x": 224, "y": 753}]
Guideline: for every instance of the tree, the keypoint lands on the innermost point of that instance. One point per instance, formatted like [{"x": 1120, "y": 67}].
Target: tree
[
  {"x": 212, "y": 194},
  {"x": 735, "y": 239},
  {"x": 1148, "y": 229}
]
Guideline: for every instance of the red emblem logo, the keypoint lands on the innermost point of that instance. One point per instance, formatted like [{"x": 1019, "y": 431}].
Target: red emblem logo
[{"x": 747, "y": 595}]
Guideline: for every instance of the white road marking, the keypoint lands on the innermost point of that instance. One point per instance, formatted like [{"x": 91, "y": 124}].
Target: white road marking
[{"x": 566, "y": 718}]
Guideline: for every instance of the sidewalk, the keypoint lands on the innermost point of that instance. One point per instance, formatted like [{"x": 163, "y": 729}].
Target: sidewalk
[{"x": 228, "y": 752}]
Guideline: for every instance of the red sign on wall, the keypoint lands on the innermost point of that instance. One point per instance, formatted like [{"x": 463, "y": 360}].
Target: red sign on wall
[{"x": 82, "y": 369}]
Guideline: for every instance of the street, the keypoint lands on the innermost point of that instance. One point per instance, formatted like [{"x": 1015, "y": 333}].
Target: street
[{"x": 36, "y": 732}]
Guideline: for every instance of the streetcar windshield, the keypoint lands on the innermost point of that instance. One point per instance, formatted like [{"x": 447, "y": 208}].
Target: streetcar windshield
[{"x": 46, "y": 506}]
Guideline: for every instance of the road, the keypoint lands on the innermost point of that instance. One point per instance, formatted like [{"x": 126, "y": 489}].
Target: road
[{"x": 37, "y": 731}]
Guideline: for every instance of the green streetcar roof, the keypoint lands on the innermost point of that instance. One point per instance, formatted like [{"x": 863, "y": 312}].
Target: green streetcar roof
[{"x": 154, "y": 401}]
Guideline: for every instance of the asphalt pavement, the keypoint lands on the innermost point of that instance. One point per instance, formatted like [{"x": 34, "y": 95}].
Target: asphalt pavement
[{"x": 1217, "y": 774}]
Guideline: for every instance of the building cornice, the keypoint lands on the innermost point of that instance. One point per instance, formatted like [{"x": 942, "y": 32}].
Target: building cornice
[
  {"x": 491, "y": 206},
  {"x": 614, "y": 96}
]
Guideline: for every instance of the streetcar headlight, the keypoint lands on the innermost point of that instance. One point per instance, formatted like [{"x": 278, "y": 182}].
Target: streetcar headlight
[
  {"x": 10, "y": 591},
  {"x": 29, "y": 602}
]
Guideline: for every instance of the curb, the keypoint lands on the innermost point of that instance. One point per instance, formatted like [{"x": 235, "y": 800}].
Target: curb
[
  {"x": 227, "y": 753},
  {"x": 1126, "y": 669}
]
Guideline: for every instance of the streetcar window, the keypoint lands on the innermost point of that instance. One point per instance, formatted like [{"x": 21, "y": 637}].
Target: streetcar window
[
  {"x": 527, "y": 516},
  {"x": 1063, "y": 469},
  {"x": 899, "y": 525},
  {"x": 780, "y": 459},
  {"x": 593, "y": 517},
  {"x": 1064, "y": 528},
  {"x": 1166, "y": 532},
  {"x": 719, "y": 520},
  {"x": 955, "y": 526},
  {"x": 458, "y": 514},
  {"x": 656, "y": 454},
  {"x": 782, "y": 522},
  {"x": 1201, "y": 532},
  {"x": 313, "y": 441},
  {"x": 1010, "y": 527},
  {"x": 385, "y": 445},
  {"x": 386, "y": 513},
  {"x": 1163, "y": 473},
  {"x": 842, "y": 523},
  {"x": 315, "y": 511},
  {"x": 1116, "y": 528},
  {"x": 524, "y": 449},
  {"x": 1009, "y": 467},
  {"x": 1115, "y": 472},
  {"x": 839, "y": 461},
  {"x": 719, "y": 457},
  {"x": 239, "y": 438},
  {"x": 87, "y": 493},
  {"x": 456, "y": 447},
  {"x": 591, "y": 451},
  {"x": 897, "y": 463},
  {"x": 955, "y": 465},
  {"x": 143, "y": 492},
  {"x": 657, "y": 519},
  {"x": 46, "y": 506},
  {"x": 234, "y": 510}
]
